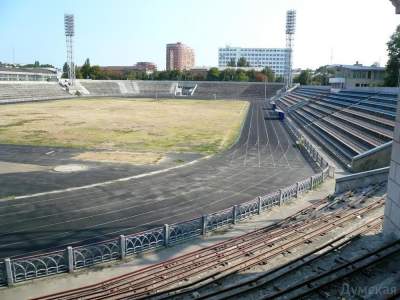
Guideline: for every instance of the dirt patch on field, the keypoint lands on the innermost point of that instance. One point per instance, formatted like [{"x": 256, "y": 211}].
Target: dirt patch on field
[
  {"x": 8, "y": 168},
  {"x": 121, "y": 157}
]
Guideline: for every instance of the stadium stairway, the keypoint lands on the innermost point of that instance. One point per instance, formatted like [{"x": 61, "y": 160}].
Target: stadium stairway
[
  {"x": 101, "y": 87},
  {"x": 345, "y": 123}
]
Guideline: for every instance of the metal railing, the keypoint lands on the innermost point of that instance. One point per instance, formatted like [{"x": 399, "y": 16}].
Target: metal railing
[{"x": 25, "y": 268}]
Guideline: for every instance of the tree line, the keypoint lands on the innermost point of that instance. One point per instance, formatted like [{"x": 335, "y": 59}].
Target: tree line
[
  {"x": 318, "y": 77},
  {"x": 88, "y": 71}
]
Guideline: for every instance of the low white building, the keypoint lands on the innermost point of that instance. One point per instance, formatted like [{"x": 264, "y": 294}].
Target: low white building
[
  {"x": 274, "y": 58},
  {"x": 29, "y": 74},
  {"x": 357, "y": 75}
]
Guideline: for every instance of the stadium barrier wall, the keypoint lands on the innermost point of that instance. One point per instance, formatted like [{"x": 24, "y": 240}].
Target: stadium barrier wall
[
  {"x": 375, "y": 158},
  {"x": 319, "y": 87},
  {"x": 15, "y": 270},
  {"x": 361, "y": 179},
  {"x": 34, "y": 99}
]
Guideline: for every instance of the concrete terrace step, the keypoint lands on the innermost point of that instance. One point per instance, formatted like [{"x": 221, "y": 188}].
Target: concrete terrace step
[
  {"x": 330, "y": 146},
  {"x": 362, "y": 137},
  {"x": 379, "y": 132},
  {"x": 345, "y": 142}
]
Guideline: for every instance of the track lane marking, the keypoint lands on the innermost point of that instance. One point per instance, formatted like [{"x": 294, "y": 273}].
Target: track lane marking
[
  {"x": 107, "y": 182},
  {"x": 189, "y": 209},
  {"x": 119, "y": 210},
  {"x": 248, "y": 134}
]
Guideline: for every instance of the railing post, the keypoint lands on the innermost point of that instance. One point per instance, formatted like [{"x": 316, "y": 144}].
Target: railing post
[
  {"x": 259, "y": 205},
  {"x": 204, "y": 225},
  {"x": 166, "y": 235},
  {"x": 280, "y": 197},
  {"x": 70, "y": 255},
  {"x": 234, "y": 212},
  {"x": 331, "y": 172},
  {"x": 9, "y": 272},
  {"x": 312, "y": 183},
  {"x": 122, "y": 245},
  {"x": 297, "y": 189}
]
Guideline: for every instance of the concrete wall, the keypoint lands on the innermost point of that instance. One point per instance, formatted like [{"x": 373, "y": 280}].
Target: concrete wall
[
  {"x": 375, "y": 158},
  {"x": 362, "y": 179},
  {"x": 392, "y": 207}
]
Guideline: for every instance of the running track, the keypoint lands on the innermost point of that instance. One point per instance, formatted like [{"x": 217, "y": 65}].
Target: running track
[{"x": 263, "y": 160}]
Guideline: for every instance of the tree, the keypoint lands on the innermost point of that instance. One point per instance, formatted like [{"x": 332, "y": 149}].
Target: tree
[
  {"x": 232, "y": 63},
  {"x": 241, "y": 75},
  {"x": 85, "y": 69},
  {"x": 322, "y": 75},
  {"x": 163, "y": 75},
  {"x": 175, "y": 75},
  {"x": 304, "y": 78},
  {"x": 78, "y": 73},
  {"x": 96, "y": 73},
  {"x": 213, "y": 74},
  {"x": 36, "y": 64},
  {"x": 65, "y": 71},
  {"x": 251, "y": 74},
  {"x": 242, "y": 62},
  {"x": 267, "y": 71},
  {"x": 393, "y": 64},
  {"x": 228, "y": 74}
]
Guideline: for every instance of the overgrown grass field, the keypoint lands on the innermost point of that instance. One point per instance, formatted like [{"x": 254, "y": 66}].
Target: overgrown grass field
[{"x": 139, "y": 131}]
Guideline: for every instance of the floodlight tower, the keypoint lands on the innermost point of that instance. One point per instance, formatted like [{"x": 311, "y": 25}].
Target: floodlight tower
[
  {"x": 290, "y": 31},
  {"x": 69, "y": 34}
]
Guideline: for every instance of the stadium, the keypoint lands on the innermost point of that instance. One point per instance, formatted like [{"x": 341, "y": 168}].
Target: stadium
[{"x": 185, "y": 189}]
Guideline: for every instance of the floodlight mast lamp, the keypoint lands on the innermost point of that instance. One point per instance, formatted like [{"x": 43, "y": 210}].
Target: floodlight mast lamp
[
  {"x": 69, "y": 34},
  {"x": 396, "y": 4},
  {"x": 290, "y": 31}
]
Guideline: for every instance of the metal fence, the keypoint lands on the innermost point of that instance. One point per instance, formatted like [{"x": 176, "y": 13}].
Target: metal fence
[
  {"x": 70, "y": 259},
  {"x": 3, "y": 276}
]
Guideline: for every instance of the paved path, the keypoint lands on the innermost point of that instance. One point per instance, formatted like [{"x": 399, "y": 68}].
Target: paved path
[{"x": 263, "y": 160}]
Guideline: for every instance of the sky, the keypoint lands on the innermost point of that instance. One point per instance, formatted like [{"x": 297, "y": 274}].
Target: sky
[{"x": 122, "y": 32}]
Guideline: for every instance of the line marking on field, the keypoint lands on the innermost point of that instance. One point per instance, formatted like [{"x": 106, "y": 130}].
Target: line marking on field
[{"x": 107, "y": 182}]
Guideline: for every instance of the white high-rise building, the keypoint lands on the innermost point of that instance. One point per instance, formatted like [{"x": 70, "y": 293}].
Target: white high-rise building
[{"x": 275, "y": 58}]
